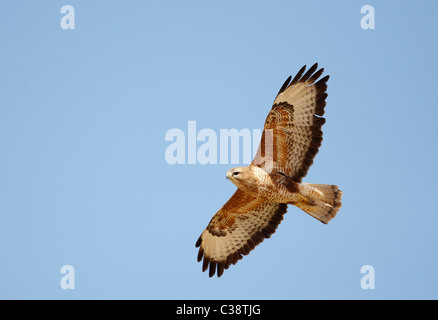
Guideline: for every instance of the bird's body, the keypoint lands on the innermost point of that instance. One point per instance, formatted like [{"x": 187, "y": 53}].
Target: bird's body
[
  {"x": 290, "y": 140},
  {"x": 279, "y": 188},
  {"x": 273, "y": 187}
]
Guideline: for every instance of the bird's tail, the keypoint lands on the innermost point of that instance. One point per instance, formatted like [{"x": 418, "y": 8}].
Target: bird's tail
[{"x": 321, "y": 201}]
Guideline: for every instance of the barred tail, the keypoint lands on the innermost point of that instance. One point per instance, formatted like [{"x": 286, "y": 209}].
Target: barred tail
[{"x": 321, "y": 201}]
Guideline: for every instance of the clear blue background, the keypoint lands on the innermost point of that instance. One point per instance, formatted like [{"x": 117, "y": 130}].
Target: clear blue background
[{"x": 84, "y": 112}]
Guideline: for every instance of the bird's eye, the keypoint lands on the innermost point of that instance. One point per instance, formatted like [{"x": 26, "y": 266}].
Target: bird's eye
[{"x": 235, "y": 173}]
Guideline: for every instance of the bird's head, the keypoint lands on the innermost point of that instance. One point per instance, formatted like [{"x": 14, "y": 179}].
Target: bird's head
[
  {"x": 235, "y": 173},
  {"x": 240, "y": 176},
  {"x": 245, "y": 178}
]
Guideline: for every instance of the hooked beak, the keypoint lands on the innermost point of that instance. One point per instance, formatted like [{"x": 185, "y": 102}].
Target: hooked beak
[{"x": 228, "y": 175}]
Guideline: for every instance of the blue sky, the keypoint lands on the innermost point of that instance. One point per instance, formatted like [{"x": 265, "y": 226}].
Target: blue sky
[{"x": 84, "y": 114}]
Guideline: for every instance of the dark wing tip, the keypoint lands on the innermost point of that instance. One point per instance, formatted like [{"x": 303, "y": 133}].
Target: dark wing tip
[
  {"x": 212, "y": 269},
  {"x": 200, "y": 254},
  {"x": 323, "y": 80},
  {"x": 309, "y": 73},
  {"x": 298, "y": 76},
  {"x": 315, "y": 76},
  {"x": 218, "y": 267},
  {"x": 310, "y": 76},
  {"x": 198, "y": 242},
  {"x": 205, "y": 263},
  {"x": 285, "y": 85}
]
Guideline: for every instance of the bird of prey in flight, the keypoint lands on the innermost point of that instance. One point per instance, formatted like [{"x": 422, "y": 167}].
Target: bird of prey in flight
[{"x": 290, "y": 140}]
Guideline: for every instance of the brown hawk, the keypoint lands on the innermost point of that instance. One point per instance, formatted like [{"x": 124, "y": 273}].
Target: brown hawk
[{"x": 290, "y": 140}]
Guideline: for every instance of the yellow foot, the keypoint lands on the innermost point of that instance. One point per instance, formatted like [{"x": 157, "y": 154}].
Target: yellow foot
[{"x": 307, "y": 200}]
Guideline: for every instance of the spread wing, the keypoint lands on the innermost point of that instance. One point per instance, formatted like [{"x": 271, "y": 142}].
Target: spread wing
[
  {"x": 241, "y": 224},
  {"x": 292, "y": 131}
]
